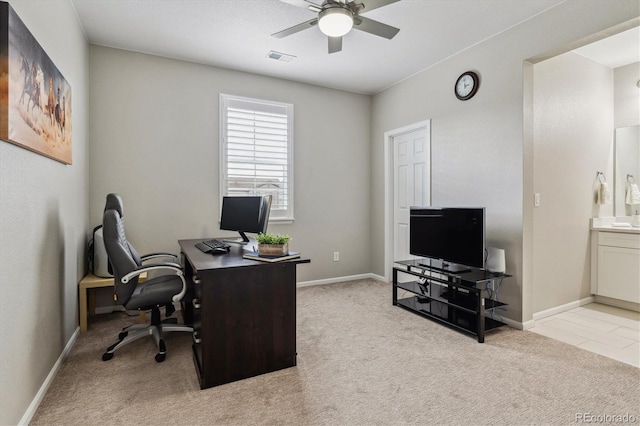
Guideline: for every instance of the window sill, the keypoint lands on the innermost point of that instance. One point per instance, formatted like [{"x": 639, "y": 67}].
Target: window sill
[{"x": 281, "y": 221}]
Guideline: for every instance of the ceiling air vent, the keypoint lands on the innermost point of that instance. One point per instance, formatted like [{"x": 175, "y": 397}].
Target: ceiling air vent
[{"x": 283, "y": 57}]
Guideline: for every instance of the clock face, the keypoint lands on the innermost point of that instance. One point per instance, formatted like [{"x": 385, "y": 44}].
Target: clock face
[{"x": 466, "y": 86}]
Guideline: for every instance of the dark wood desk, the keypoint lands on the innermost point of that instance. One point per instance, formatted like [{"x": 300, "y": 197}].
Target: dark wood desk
[{"x": 243, "y": 313}]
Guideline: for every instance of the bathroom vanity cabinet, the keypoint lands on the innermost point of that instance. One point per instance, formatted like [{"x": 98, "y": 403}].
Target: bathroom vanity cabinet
[{"x": 615, "y": 262}]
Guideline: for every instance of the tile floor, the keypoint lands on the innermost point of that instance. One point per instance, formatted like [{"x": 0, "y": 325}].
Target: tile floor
[{"x": 606, "y": 330}]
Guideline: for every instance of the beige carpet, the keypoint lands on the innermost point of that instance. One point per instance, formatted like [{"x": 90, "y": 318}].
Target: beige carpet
[{"x": 361, "y": 361}]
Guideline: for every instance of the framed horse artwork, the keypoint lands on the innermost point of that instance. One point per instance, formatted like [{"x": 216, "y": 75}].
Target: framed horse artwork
[{"x": 35, "y": 98}]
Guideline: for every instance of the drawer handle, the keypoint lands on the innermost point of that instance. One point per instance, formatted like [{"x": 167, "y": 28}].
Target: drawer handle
[
  {"x": 196, "y": 279},
  {"x": 196, "y": 303},
  {"x": 196, "y": 339}
]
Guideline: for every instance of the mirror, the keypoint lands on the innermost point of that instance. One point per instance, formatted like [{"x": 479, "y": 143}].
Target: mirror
[{"x": 626, "y": 167}]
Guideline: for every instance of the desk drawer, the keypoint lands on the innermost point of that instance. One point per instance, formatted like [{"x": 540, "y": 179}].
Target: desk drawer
[
  {"x": 197, "y": 347},
  {"x": 197, "y": 286},
  {"x": 196, "y": 307},
  {"x": 196, "y": 302},
  {"x": 197, "y": 315}
]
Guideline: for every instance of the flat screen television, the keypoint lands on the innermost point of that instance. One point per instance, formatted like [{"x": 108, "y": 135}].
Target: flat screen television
[
  {"x": 453, "y": 238},
  {"x": 245, "y": 214}
]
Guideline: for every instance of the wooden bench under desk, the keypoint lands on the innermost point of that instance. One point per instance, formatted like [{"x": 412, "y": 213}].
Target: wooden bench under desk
[{"x": 87, "y": 298}]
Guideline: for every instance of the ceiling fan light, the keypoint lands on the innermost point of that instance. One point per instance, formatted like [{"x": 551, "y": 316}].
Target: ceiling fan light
[{"x": 335, "y": 22}]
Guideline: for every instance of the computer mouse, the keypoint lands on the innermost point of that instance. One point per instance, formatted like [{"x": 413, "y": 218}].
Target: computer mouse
[{"x": 220, "y": 250}]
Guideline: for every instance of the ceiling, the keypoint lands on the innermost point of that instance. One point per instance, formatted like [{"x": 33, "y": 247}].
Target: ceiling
[
  {"x": 236, "y": 34},
  {"x": 616, "y": 51}
]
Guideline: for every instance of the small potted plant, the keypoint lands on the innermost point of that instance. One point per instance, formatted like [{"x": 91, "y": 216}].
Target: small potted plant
[{"x": 273, "y": 244}]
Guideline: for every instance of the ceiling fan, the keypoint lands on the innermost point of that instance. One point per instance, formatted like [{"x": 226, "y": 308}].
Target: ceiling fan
[{"x": 337, "y": 17}]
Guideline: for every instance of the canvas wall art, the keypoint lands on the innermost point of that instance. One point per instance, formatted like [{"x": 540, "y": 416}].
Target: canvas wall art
[{"x": 35, "y": 109}]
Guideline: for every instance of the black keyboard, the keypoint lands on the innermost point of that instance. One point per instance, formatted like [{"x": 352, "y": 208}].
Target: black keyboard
[{"x": 212, "y": 245}]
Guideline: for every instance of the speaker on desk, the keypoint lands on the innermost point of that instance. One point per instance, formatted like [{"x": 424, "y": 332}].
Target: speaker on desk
[{"x": 495, "y": 260}]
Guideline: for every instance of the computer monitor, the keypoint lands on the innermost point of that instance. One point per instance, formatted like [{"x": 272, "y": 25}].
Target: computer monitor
[{"x": 245, "y": 214}]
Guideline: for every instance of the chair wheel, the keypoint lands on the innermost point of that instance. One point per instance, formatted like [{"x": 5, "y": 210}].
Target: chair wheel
[
  {"x": 107, "y": 356},
  {"x": 159, "y": 357},
  {"x": 122, "y": 335}
]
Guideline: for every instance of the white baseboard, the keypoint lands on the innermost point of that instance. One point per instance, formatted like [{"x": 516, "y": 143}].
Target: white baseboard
[
  {"x": 556, "y": 310},
  {"x": 526, "y": 325},
  {"x": 514, "y": 324},
  {"x": 31, "y": 410},
  {"x": 379, "y": 278},
  {"x": 562, "y": 308},
  {"x": 341, "y": 279},
  {"x": 630, "y": 306}
]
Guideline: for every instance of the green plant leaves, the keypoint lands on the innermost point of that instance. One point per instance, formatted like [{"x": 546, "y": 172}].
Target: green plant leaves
[{"x": 273, "y": 238}]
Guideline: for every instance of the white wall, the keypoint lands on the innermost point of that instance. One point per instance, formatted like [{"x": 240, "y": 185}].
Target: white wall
[
  {"x": 154, "y": 140},
  {"x": 573, "y": 138},
  {"x": 626, "y": 95},
  {"x": 479, "y": 154},
  {"x": 43, "y": 220}
]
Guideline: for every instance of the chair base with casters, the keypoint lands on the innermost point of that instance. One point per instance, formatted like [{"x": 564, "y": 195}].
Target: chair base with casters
[
  {"x": 165, "y": 289},
  {"x": 156, "y": 328}
]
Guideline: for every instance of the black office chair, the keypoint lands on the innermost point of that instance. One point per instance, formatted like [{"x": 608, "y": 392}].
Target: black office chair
[
  {"x": 148, "y": 296},
  {"x": 114, "y": 202}
]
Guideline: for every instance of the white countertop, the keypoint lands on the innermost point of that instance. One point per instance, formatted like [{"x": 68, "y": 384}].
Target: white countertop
[{"x": 606, "y": 224}]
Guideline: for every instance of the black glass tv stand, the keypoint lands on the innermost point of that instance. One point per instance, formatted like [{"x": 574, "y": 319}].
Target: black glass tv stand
[
  {"x": 465, "y": 300},
  {"x": 440, "y": 265}
]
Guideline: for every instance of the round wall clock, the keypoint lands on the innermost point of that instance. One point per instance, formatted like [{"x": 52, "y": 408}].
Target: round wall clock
[{"x": 467, "y": 85}]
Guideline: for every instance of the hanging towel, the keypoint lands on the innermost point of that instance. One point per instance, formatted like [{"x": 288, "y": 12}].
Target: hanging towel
[
  {"x": 633, "y": 194},
  {"x": 604, "y": 195}
]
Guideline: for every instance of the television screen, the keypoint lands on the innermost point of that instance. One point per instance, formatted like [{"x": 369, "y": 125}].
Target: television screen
[
  {"x": 453, "y": 235},
  {"x": 245, "y": 214}
]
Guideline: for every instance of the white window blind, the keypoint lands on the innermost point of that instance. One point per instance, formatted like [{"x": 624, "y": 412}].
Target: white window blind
[{"x": 256, "y": 151}]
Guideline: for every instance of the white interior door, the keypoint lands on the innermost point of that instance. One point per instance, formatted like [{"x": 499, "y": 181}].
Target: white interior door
[{"x": 411, "y": 184}]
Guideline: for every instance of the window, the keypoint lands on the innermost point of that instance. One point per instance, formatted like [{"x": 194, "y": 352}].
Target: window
[{"x": 256, "y": 151}]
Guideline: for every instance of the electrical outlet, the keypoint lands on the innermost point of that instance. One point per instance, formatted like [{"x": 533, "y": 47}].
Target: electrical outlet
[{"x": 336, "y": 256}]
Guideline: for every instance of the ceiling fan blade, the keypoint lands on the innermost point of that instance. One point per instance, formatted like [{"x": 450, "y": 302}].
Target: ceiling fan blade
[
  {"x": 296, "y": 28},
  {"x": 305, "y": 4},
  {"x": 374, "y": 27},
  {"x": 372, "y": 4},
  {"x": 335, "y": 44}
]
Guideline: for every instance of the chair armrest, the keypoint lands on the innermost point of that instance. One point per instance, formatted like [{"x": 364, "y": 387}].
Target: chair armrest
[
  {"x": 175, "y": 265},
  {"x": 161, "y": 254},
  {"x": 177, "y": 269},
  {"x": 154, "y": 267}
]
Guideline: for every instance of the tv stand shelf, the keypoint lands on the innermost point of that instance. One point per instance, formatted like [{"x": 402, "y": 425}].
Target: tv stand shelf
[{"x": 455, "y": 299}]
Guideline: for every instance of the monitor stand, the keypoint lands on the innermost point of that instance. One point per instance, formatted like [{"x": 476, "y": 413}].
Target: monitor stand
[{"x": 244, "y": 240}]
